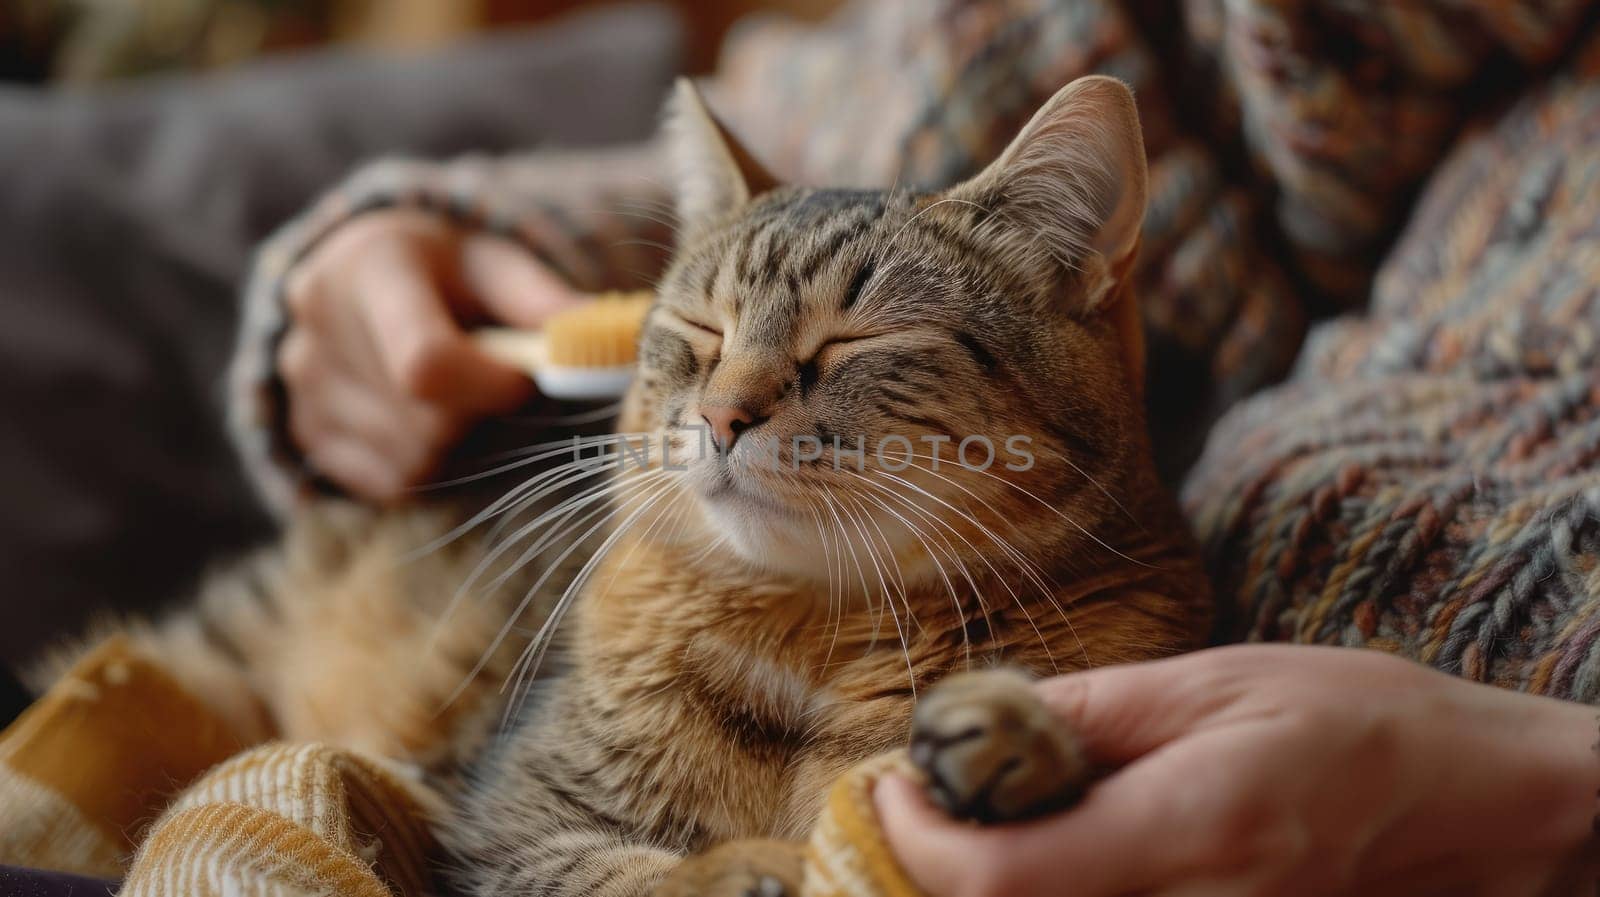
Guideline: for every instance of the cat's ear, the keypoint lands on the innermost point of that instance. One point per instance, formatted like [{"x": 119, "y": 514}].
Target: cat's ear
[
  {"x": 1070, "y": 189},
  {"x": 714, "y": 173}
]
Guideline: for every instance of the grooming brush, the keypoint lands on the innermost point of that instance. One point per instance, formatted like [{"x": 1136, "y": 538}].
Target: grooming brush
[{"x": 585, "y": 353}]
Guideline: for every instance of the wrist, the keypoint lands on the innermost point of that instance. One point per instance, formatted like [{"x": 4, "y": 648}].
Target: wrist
[
  {"x": 1566, "y": 739},
  {"x": 1551, "y": 792},
  {"x": 1496, "y": 780}
]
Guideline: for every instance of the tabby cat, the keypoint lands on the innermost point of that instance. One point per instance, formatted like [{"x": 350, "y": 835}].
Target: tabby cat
[
  {"x": 761, "y": 608},
  {"x": 736, "y": 653}
]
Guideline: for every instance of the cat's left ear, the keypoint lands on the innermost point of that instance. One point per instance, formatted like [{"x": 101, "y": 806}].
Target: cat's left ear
[
  {"x": 715, "y": 175},
  {"x": 1070, "y": 189}
]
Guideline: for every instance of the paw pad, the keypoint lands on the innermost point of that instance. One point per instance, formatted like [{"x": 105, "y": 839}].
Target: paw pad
[{"x": 992, "y": 752}]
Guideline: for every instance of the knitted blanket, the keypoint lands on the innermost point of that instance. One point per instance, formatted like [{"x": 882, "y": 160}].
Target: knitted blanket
[{"x": 100, "y": 768}]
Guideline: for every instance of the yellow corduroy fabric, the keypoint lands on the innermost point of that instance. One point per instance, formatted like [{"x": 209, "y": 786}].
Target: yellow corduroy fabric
[
  {"x": 88, "y": 765},
  {"x": 113, "y": 744},
  {"x": 286, "y": 819},
  {"x": 848, "y": 855}
]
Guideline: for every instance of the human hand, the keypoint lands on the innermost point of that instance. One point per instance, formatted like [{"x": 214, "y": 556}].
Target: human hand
[
  {"x": 1284, "y": 770},
  {"x": 382, "y": 379}
]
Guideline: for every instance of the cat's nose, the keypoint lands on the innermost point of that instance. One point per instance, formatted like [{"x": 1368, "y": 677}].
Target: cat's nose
[{"x": 726, "y": 423}]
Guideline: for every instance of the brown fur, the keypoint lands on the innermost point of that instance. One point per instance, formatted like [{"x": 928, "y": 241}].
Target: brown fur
[
  {"x": 339, "y": 634},
  {"x": 729, "y": 660},
  {"x": 746, "y": 634}
]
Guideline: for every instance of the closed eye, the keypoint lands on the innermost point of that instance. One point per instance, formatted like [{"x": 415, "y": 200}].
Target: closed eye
[
  {"x": 695, "y": 325},
  {"x": 810, "y": 370},
  {"x": 846, "y": 340},
  {"x": 836, "y": 342}
]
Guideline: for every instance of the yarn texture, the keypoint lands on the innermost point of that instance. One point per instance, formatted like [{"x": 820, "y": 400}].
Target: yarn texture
[{"x": 1428, "y": 481}]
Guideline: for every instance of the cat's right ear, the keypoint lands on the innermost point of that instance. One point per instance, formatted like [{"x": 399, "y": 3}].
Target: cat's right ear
[
  {"x": 714, "y": 174},
  {"x": 1069, "y": 192}
]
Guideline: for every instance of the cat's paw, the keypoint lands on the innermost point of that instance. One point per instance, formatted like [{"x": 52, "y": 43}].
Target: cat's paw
[
  {"x": 749, "y": 868},
  {"x": 991, "y": 750}
]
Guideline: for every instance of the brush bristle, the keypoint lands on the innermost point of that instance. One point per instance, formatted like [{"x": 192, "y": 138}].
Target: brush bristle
[{"x": 602, "y": 333}]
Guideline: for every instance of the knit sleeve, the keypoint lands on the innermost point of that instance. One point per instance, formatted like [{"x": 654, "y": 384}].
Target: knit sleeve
[
  {"x": 1427, "y": 481},
  {"x": 595, "y": 217}
]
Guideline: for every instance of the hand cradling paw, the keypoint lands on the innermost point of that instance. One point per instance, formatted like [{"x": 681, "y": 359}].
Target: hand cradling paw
[{"x": 992, "y": 752}]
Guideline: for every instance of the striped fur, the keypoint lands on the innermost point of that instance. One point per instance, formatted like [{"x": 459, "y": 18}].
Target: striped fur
[
  {"x": 742, "y": 635},
  {"x": 758, "y": 631}
]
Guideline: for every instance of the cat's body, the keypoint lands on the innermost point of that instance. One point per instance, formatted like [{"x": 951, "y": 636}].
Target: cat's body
[
  {"x": 705, "y": 706},
  {"x": 342, "y": 633},
  {"x": 745, "y": 633},
  {"x": 733, "y": 655}
]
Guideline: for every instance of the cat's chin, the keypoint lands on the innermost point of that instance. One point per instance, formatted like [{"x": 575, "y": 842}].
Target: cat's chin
[
  {"x": 770, "y": 536},
  {"x": 764, "y": 533},
  {"x": 754, "y": 528}
]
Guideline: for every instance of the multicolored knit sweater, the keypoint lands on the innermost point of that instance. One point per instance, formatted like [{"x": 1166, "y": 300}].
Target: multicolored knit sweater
[{"x": 1428, "y": 481}]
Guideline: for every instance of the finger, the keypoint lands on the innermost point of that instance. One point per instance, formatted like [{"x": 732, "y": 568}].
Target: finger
[
  {"x": 946, "y": 858},
  {"x": 324, "y": 336},
  {"x": 409, "y": 322},
  {"x": 1124, "y": 712},
  {"x": 329, "y": 403},
  {"x": 472, "y": 383},
  {"x": 357, "y": 467},
  {"x": 1055, "y": 856},
  {"x": 424, "y": 352},
  {"x": 1150, "y": 824},
  {"x": 299, "y": 362},
  {"x": 927, "y": 846},
  {"x": 504, "y": 282},
  {"x": 409, "y": 434}
]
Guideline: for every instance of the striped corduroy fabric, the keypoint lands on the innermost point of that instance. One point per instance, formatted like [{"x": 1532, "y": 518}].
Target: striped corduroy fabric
[
  {"x": 89, "y": 764},
  {"x": 287, "y": 819},
  {"x": 848, "y": 854},
  {"x": 85, "y": 769}
]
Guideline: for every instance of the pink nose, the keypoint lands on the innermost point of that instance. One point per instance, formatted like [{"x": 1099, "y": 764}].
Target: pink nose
[{"x": 726, "y": 423}]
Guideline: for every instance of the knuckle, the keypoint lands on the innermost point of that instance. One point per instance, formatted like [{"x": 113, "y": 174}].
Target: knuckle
[
  {"x": 297, "y": 360},
  {"x": 367, "y": 233},
  {"x": 307, "y": 430},
  {"x": 1229, "y": 660},
  {"x": 300, "y": 289},
  {"x": 334, "y": 460},
  {"x": 413, "y": 469},
  {"x": 342, "y": 252},
  {"x": 1069, "y": 697},
  {"x": 423, "y": 368},
  {"x": 389, "y": 229},
  {"x": 435, "y": 429}
]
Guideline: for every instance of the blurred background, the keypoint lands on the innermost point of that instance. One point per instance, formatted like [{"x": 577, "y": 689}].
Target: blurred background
[
  {"x": 147, "y": 147},
  {"x": 87, "y": 41}
]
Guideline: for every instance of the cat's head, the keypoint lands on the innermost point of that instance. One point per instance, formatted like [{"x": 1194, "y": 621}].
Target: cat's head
[{"x": 902, "y": 325}]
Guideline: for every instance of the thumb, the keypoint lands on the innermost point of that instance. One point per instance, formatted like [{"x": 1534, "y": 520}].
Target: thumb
[
  {"x": 423, "y": 351},
  {"x": 1135, "y": 828},
  {"x": 505, "y": 282},
  {"x": 1124, "y": 712}
]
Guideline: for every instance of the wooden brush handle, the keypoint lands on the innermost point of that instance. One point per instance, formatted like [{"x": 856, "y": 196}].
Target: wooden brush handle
[{"x": 524, "y": 350}]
